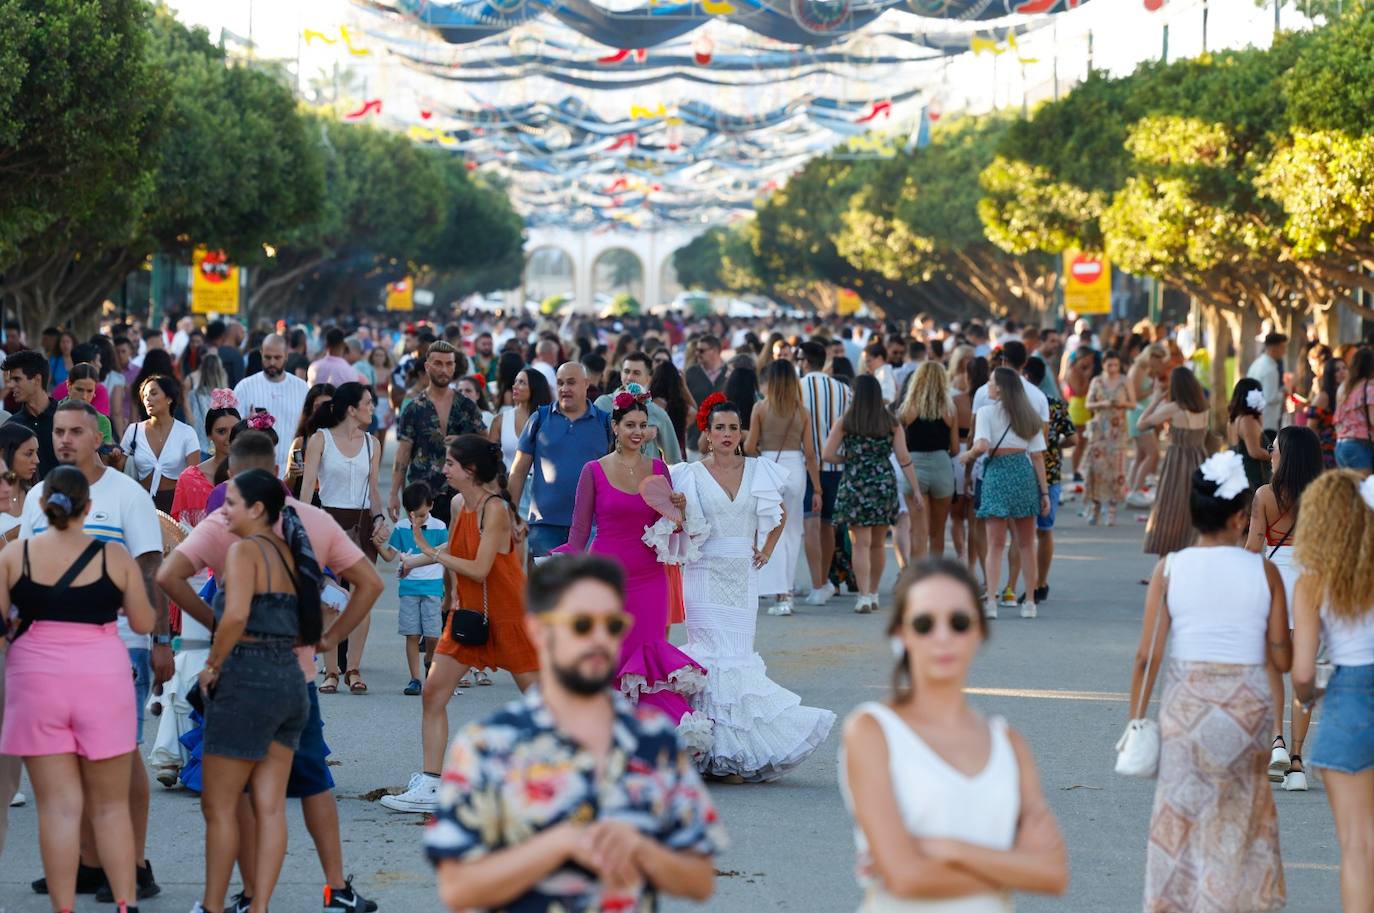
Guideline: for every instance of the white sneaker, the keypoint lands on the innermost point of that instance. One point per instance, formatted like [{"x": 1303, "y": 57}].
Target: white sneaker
[
  {"x": 990, "y": 608},
  {"x": 781, "y": 607},
  {"x": 19, "y": 801},
  {"x": 1028, "y": 609},
  {"x": 868, "y": 603},
  {"x": 1295, "y": 782},
  {"x": 1278, "y": 761},
  {"x": 421, "y": 795},
  {"x": 1008, "y": 600},
  {"x": 818, "y": 596},
  {"x": 1139, "y": 499}
]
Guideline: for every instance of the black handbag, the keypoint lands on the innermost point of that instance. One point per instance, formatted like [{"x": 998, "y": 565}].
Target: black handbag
[{"x": 470, "y": 627}]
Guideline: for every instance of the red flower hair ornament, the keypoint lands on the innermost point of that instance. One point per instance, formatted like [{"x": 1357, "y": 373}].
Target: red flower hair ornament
[
  {"x": 704, "y": 410},
  {"x": 633, "y": 395},
  {"x": 261, "y": 421}
]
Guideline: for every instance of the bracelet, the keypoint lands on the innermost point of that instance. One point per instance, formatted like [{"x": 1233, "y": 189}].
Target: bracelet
[
  {"x": 212, "y": 667},
  {"x": 904, "y": 465}
]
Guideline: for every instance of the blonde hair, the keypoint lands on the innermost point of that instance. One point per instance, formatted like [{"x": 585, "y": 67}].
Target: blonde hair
[
  {"x": 957, "y": 359},
  {"x": 1154, "y": 350},
  {"x": 928, "y": 395},
  {"x": 783, "y": 391},
  {"x": 1334, "y": 542}
]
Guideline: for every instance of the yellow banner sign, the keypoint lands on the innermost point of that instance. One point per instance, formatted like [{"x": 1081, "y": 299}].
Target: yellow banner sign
[
  {"x": 1087, "y": 283},
  {"x": 400, "y": 296},
  {"x": 847, "y": 302},
  {"x": 214, "y": 283}
]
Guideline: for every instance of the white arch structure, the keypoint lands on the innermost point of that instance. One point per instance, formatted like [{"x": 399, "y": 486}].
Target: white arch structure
[{"x": 584, "y": 247}]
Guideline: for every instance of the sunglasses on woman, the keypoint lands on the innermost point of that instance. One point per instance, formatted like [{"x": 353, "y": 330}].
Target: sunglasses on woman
[
  {"x": 959, "y": 623},
  {"x": 582, "y": 624}
]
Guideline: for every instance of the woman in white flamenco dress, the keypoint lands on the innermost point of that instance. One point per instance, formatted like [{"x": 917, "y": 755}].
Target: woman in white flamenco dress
[{"x": 760, "y": 729}]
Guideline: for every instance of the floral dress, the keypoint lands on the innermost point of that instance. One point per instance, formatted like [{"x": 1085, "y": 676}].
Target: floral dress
[
  {"x": 1323, "y": 422},
  {"x": 1108, "y": 443},
  {"x": 868, "y": 489}
]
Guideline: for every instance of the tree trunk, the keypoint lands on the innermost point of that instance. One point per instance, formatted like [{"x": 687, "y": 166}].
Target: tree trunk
[{"x": 1218, "y": 349}]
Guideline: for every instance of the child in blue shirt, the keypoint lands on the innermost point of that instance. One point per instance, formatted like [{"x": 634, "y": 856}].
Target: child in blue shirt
[{"x": 422, "y": 589}]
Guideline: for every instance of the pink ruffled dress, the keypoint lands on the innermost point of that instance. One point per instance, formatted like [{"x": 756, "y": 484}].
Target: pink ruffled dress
[{"x": 653, "y": 672}]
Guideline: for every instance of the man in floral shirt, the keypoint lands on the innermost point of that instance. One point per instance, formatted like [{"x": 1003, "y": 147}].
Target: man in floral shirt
[
  {"x": 570, "y": 800},
  {"x": 1059, "y": 433}
]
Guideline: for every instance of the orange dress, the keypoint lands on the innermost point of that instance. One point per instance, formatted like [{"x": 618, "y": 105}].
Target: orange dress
[{"x": 508, "y": 646}]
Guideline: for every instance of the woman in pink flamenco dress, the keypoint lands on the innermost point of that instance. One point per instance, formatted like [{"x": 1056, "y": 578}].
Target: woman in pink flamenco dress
[{"x": 653, "y": 672}]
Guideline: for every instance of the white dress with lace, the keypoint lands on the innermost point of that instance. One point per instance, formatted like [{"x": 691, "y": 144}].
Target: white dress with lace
[{"x": 760, "y": 729}]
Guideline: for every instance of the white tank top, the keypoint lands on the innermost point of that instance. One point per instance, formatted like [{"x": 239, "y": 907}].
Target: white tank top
[
  {"x": 1349, "y": 642},
  {"x": 343, "y": 480},
  {"x": 935, "y": 800},
  {"x": 1218, "y": 605},
  {"x": 510, "y": 438}
]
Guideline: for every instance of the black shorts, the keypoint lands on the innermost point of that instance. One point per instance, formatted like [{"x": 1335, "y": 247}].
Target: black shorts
[{"x": 830, "y": 487}]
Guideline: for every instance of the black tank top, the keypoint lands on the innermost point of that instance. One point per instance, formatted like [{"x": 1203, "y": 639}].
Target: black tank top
[
  {"x": 95, "y": 603},
  {"x": 924, "y": 435}
]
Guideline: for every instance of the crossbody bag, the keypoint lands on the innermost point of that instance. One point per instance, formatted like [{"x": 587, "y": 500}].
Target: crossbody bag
[{"x": 470, "y": 627}]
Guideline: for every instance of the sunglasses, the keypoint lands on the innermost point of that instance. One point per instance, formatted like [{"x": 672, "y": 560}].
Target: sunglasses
[
  {"x": 959, "y": 623},
  {"x": 9, "y": 478},
  {"x": 616, "y": 624}
]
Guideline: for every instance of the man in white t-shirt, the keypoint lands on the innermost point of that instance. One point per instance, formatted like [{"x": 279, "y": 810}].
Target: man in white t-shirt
[
  {"x": 121, "y": 511},
  {"x": 274, "y": 391}
]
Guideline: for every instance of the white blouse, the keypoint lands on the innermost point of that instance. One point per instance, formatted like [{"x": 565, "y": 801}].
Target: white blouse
[{"x": 181, "y": 449}]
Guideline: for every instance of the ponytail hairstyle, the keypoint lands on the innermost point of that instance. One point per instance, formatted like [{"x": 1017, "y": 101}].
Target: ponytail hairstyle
[
  {"x": 902, "y": 688},
  {"x": 258, "y": 486},
  {"x": 346, "y": 396},
  {"x": 65, "y": 496},
  {"x": 484, "y": 459}
]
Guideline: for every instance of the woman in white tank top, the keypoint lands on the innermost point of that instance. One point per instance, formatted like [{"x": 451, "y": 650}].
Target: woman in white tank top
[
  {"x": 346, "y": 460},
  {"x": 949, "y": 815},
  {"x": 1226, "y": 609},
  {"x": 528, "y": 392},
  {"x": 1335, "y": 605}
]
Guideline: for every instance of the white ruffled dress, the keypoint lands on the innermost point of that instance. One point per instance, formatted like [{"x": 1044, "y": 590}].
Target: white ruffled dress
[{"x": 760, "y": 729}]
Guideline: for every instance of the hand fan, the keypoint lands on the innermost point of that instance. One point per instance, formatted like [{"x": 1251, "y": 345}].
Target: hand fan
[{"x": 658, "y": 494}]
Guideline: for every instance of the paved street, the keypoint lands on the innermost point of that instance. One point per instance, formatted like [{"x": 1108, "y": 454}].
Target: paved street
[{"x": 1059, "y": 680}]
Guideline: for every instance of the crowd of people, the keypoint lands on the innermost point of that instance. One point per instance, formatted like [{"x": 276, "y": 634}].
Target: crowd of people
[{"x": 561, "y": 496}]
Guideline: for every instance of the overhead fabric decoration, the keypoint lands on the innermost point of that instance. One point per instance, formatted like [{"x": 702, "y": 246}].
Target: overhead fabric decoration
[
  {"x": 590, "y": 113},
  {"x": 802, "y": 22}
]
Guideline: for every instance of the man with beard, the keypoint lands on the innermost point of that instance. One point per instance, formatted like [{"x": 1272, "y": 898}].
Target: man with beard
[
  {"x": 275, "y": 391},
  {"x": 484, "y": 357},
  {"x": 620, "y": 814},
  {"x": 434, "y": 416}
]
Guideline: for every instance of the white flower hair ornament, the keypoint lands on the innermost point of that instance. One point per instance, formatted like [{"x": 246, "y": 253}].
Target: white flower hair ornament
[
  {"x": 1367, "y": 491},
  {"x": 1255, "y": 400},
  {"x": 1226, "y": 470}
]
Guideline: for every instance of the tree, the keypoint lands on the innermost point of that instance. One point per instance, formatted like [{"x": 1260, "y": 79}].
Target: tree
[{"x": 918, "y": 222}]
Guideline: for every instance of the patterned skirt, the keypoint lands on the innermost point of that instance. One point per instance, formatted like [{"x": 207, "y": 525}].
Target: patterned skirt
[
  {"x": 1214, "y": 834},
  {"x": 1009, "y": 489}
]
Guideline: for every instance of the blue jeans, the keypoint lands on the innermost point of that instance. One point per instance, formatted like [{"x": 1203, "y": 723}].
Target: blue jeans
[
  {"x": 1354, "y": 454},
  {"x": 141, "y": 660}
]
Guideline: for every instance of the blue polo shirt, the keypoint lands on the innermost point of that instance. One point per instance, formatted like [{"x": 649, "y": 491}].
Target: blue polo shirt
[{"x": 558, "y": 449}]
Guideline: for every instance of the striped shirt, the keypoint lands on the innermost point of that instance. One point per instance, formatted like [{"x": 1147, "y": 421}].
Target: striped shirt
[
  {"x": 825, "y": 399},
  {"x": 283, "y": 399}
]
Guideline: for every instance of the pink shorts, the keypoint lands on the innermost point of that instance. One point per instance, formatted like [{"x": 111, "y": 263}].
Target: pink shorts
[{"x": 69, "y": 689}]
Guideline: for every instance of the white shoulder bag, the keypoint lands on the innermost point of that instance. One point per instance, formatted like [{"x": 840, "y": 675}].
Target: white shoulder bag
[{"x": 1137, "y": 751}]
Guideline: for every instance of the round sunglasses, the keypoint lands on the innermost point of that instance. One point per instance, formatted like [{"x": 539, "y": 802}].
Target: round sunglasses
[{"x": 959, "y": 623}]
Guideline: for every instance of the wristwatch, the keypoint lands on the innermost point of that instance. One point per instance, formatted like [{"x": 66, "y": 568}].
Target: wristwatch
[{"x": 162, "y": 640}]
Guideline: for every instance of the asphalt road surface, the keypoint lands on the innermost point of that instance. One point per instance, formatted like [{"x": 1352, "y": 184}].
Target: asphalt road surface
[{"x": 1059, "y": 679}]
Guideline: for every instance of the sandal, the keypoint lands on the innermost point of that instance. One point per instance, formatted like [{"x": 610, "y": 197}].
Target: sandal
[
  {"x": 331, "y": 683},
  {"x": 482, "y": 678},
  {"x": 466, "y": 680},
  {"x": 354, "y": 680}
]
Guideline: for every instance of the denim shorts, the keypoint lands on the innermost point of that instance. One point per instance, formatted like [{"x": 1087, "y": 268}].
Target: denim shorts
[
  {"x": 310, "y": 774},
  {"x": 1345, "y": 739},
  {"x": 1046, "y": 522},
  {"x": 260, "y": 698},
  {"x": 142, "y": 661},
  {"x": 545, "y": 537},
  {"x": 830, "y": 488},
  {"x": 1354, "y": 454}
]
